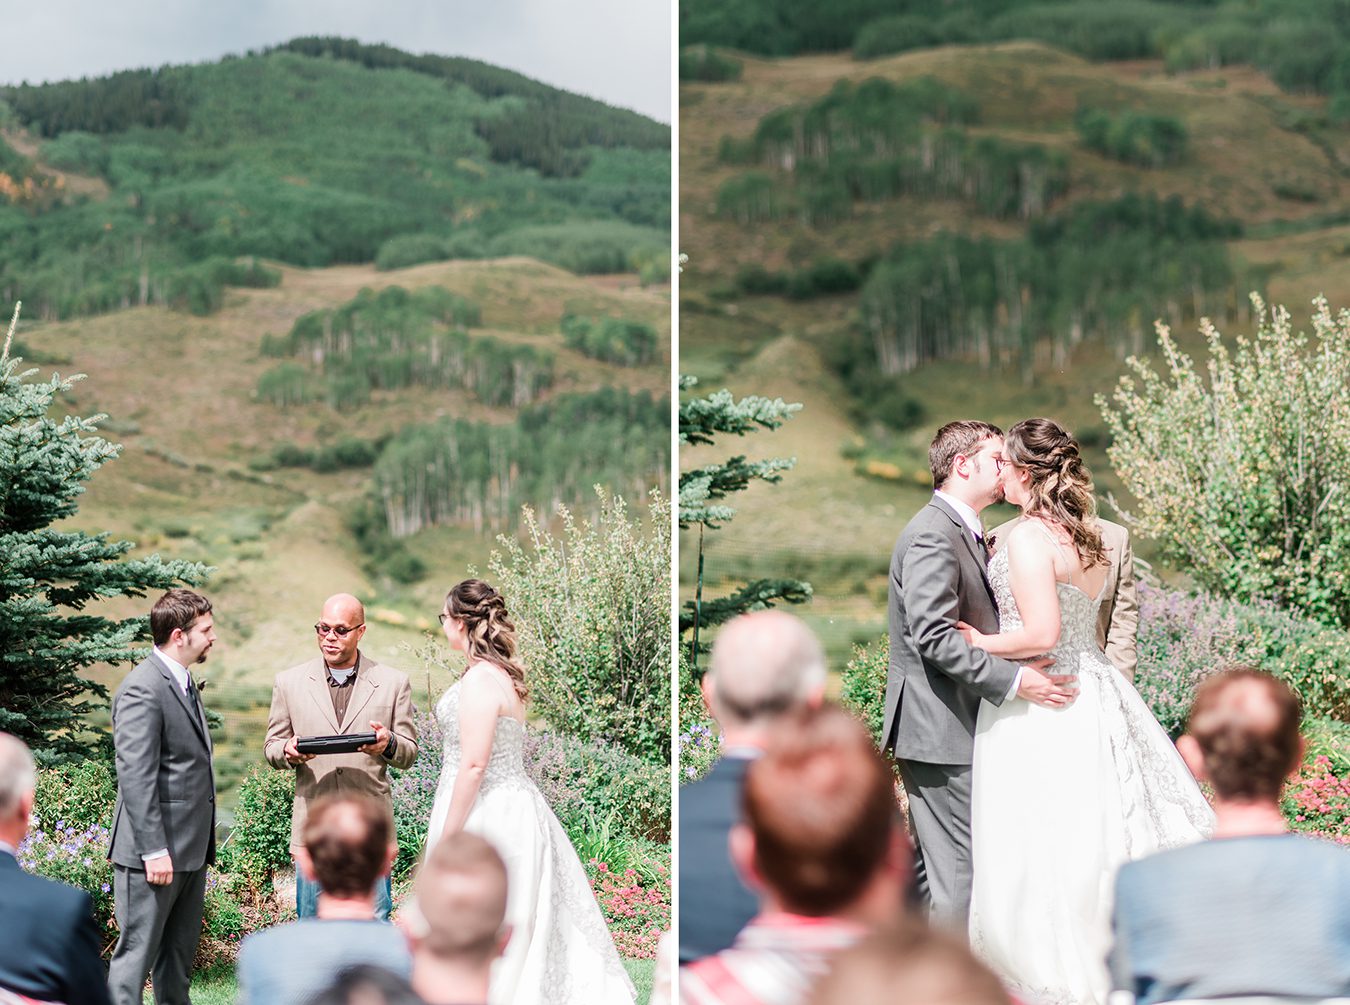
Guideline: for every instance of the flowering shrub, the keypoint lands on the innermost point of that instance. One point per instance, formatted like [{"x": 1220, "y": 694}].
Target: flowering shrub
[
  {"x": 413, "y": 790},
  {"x": 699, "y": 748},
  {"x": 699, "y": 745},
  {"x": 1317, "y": 802},
  {"x": 1184, "y": 638},
  {"x": 1238, "y": 467},
  {"x": 78, "y": 856},
  {"x": 593, "y": 611},
  {"x": 637, "y": 908}
]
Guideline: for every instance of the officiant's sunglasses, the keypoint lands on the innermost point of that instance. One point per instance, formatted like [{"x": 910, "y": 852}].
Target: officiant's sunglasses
[{"x": 322, "y": 629}]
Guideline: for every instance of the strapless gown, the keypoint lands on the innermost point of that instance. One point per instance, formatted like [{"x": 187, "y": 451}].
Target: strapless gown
[
  {"x": 560, "y": 952},
  {"x": 1060, "y": 799}
]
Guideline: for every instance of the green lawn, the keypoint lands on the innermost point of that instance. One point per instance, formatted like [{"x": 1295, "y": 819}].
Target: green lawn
[{"x": 218, "y": 986}]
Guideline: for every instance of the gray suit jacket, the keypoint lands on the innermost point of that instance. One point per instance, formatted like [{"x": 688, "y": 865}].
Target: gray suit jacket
[
  {"x": 1118, "y": 617},
  {"x": 166, "y": 794},
  {"x": 935, "y": 681}
]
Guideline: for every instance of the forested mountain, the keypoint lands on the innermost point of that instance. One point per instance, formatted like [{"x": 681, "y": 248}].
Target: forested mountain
[
  {"x": 316, "y": 152},
  {"x": 900, "y": 212},
  {"x": 348, "y": 311}
]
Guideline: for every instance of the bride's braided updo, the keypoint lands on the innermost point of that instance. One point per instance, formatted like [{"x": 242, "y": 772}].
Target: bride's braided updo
[
  {"x": 1060, "y": 486},
  {"x": 491, "y": 635}
]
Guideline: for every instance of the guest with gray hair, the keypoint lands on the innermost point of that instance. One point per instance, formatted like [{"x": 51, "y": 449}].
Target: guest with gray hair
[
  {"x": 766, "y": 667},
  {"x": 53, "y": 953}
]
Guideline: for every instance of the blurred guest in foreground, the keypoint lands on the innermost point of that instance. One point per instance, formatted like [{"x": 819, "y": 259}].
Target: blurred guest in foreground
[
  {"x": 457, "y": 924},
  {"x": 822, "y": 843},
  {"x": 347, "y": 848},
  {"x": 50, "y": 951},
  {"x": 367, "y": 985},
  {"x": 765, "y": 666},
  {"x": 1255, "y": 910},
  {"x": 912, "y": 964}
]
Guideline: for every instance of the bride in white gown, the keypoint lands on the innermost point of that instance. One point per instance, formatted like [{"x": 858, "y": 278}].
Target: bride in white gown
[
  {"x": 1062, "y": 797},
  {"x": 560, "y": 951}
]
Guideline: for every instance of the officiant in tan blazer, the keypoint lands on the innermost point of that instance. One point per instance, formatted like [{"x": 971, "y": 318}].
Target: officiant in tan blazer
[
  {"x": 1118, "y": 617},
  {"x": 340, "y": 691}
]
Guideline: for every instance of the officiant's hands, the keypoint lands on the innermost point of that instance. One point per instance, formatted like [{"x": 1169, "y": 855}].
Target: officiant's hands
[
  {"x": 376, "y": 749},
  {"x": 292, "y": 752}
]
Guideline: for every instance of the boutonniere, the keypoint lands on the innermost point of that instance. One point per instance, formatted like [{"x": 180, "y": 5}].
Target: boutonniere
[
  {"x": 201, "y": 686},
  {"x": 991, "y": 542}
]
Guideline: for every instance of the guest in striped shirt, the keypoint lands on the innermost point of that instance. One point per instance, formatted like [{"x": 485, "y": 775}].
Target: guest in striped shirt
[{"x": 822, "y": 844}]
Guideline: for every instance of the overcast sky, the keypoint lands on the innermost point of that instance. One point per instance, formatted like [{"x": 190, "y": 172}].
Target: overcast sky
[{"x": 616, "y": 50}]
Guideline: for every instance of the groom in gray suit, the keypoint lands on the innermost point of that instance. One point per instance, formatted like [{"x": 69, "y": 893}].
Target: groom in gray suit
[
  {"x": 935, "y": 681},
  {"x": 164, "y": 823}
]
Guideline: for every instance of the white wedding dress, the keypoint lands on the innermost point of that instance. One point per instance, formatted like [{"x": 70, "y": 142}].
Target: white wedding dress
[
  {"x": 560, "y": 951},
  {"x": 1060, "y": 799}
]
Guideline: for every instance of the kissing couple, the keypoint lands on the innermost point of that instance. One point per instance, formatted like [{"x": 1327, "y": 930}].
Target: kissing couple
[{"x": 1032, "y": 766}]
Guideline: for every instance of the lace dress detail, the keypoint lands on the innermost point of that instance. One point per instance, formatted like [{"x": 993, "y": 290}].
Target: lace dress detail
[
  {"x": 560, "y": 951},
  {"x": 1060, "y": 799}
]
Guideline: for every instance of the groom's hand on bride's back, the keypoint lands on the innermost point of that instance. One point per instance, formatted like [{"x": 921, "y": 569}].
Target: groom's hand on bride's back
[{"x": 1046, "y": 689}]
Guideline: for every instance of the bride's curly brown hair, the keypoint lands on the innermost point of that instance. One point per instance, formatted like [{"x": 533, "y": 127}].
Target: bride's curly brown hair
[
  {"x": 1060, "y": 487},
  {"x": 492, "y": 636}
]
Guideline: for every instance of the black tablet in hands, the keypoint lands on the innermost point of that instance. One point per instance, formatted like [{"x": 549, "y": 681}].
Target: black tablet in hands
[{"x": 344, "y": 743}]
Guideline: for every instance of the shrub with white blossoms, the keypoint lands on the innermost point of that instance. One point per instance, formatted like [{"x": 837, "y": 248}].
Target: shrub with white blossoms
[{"x": 1241, "y": 469}]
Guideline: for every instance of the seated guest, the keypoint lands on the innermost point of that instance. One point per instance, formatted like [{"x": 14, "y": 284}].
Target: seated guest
[
  {"x": 913, "y": 964},
  {"x": 822, "y": 843},
  {"x": 366, "y": 985},
  {"x": 456, "y": 924},
  {"x": 347, "y": 847},
  {"x": 1255, "y": 911},
  {"x": 50, "y": 951},
  {"x": 765, "y": 666}
]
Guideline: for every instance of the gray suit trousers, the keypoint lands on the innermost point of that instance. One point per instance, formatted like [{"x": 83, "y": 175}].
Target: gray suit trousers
[
  {"x": 939, "y": 815},
  {"x": 160, "y": 926}
]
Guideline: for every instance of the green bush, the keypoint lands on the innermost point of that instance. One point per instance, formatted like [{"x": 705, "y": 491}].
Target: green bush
[
  {"x": 593, "y": 611},
  {"x": 700, "y": 745},
  {"x": 259, "y": 843},
  {"x": 887, "y": 36},
  {"x": 410, "y": 249},
  {"x": 1238, "y": 466},
  {"x": 701, "y": 62},
  {"x": 863, "y": 684},
  {"x": 613, "y": 340},
  {"x": 1133, "y": 137},
  {"x": 80, "y": 794}
]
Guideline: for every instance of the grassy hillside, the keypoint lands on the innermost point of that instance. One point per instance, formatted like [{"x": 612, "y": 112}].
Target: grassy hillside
[
  {"x": 1274, "y": 163},
  {"x": 180, "y": 394}
]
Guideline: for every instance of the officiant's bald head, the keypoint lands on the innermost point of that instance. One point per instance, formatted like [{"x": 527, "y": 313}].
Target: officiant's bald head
[{"x": 765, "y": 665}]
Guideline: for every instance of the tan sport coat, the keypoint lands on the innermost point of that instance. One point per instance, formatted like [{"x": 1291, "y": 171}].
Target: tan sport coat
[
  {"x": 1118, "y": 618},
  {"x": 302, "y": 706}
]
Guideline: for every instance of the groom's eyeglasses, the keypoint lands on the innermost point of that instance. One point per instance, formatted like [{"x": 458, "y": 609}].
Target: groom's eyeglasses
[
  {"x": 342, "y": 632},
  {"x": 1000, "y": 463}
]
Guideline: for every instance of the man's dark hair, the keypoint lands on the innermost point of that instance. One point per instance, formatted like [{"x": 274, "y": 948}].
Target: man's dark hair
[
  {"x": 821, "y": 805},
  {"x": 1246, "y": 724},
  {"x": 347, "y": 838},
  {"x": 367, "y": 985},
  {"x": 960, "y": 437},
  {"x": 176, "y": 609}
]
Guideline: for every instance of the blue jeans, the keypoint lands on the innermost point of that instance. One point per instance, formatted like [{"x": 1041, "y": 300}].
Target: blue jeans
[{"x": 307, "y": 897}]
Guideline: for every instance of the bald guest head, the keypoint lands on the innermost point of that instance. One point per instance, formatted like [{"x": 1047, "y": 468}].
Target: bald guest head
[
  {"x": 18, "y": 779},
  {"x": 764, "y": 666},
  {"x": 461, "y": 896},
  {"x": 1243, "y": 735}
]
